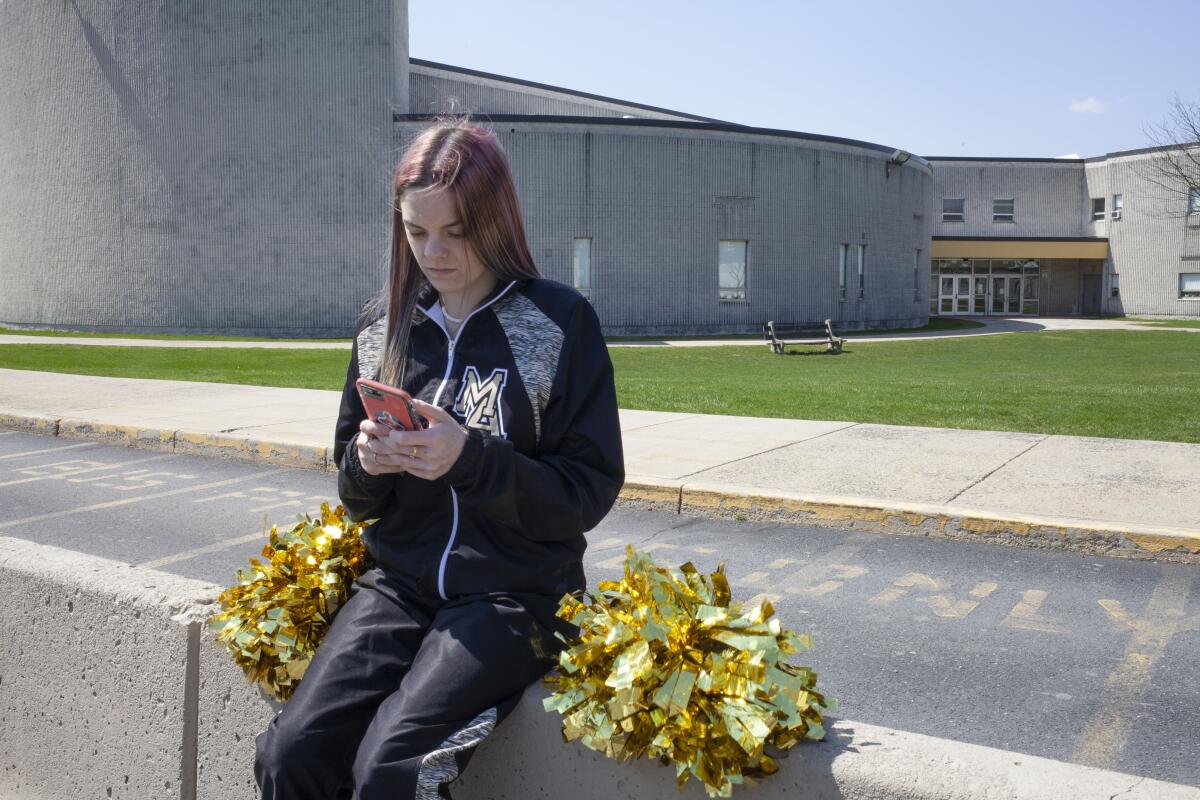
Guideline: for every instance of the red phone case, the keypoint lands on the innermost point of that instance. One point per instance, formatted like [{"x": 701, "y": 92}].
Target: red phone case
[{"x": 387, "y": 405}]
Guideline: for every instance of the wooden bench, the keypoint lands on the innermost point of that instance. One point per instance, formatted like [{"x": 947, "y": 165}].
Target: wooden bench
[{"x": 779, "y": 336}]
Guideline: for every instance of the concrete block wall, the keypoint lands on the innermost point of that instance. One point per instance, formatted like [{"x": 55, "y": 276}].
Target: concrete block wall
[
  {"x": 1154, "y": 241},
  {"x": 204, "y": 167},
  {"x": 656, "y": 201},
  {"x": 1050, "y": 197}
]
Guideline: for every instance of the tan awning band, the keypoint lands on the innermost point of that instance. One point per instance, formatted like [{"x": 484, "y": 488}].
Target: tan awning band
[{"x": 1018, "y": 248}]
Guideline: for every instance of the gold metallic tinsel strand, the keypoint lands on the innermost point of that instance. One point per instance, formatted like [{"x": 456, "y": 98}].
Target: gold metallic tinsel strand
[
  {"x": 667, "y": 666},
  {"x": 277, "y": 614}
]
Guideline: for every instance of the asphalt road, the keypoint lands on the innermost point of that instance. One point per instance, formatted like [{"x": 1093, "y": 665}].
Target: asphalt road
[{"x": 1072, "y": 657}]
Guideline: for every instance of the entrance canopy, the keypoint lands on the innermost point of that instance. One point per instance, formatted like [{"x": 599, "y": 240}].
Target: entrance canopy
[{"x": 1034, "y": 248}]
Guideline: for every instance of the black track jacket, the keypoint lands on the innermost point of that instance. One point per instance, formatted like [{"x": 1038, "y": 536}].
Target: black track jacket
[{"x": 529, "y": 376}]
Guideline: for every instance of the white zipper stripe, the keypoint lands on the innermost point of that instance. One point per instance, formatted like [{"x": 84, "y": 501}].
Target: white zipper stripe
[{"x": 436, "y": 397}]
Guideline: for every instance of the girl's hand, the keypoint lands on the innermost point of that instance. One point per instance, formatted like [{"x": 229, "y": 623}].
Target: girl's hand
[
  {"x": 375, "y": 452},
  {"x": 427, "y": 454}
]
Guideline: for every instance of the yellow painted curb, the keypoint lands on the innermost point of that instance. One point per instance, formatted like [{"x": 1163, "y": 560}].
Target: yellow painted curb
[
  {"x": 646, "y": 492},
  {"x": 45, "y": 426},
  {"x": 126, "y": 435},
  {"x": 1077, "y": 535},
  {"x": 244, "y": 449}
]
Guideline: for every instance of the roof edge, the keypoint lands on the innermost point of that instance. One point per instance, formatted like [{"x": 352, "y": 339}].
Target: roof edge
[
  {"x": 721, "y": 127},
  {"x": 420, "y": 62}
]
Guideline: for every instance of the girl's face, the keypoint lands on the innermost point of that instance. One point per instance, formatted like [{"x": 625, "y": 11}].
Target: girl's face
[{"x": 437, "y": 239}]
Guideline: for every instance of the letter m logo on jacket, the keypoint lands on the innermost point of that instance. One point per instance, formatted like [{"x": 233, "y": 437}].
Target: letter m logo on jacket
[{"x": 478, "y": 401}]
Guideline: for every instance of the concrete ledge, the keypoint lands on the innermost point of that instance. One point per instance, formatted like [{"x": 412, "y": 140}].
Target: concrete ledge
[
  {"x": 257, "y": 450},
  {"x": 110, "y": 687},
  {"x": 96, "y": 668},
  {"x": 30, "y": 423},
  {"x": 943, "y": 521},
  {"x": 124, "y": 435}
]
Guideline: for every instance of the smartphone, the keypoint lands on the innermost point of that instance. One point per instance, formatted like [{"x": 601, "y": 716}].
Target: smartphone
[{"x": 388, "y": 406}]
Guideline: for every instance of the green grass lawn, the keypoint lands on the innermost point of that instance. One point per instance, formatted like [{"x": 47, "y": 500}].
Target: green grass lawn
[
  {"x": 155, "y": 336},
  {"x": 1090, "y": 383},
  {"x": 1164, "y": 323},
  {"x": 935, "y": 324}
]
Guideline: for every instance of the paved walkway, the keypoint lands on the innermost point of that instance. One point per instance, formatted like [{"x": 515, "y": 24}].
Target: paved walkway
[
  {"x": 991, "y": 325},
  {"x": 1055, "y": 490}
]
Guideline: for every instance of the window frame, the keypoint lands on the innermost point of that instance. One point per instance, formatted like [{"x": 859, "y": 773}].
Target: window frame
[
  {"x": 843, "y": 259},
  {"x": 1193, "y": 200},
  {"x": 1098, "y": 213},
  {"x": 1114, "y": 285},
  {"x": 1118, "y": 205},
  {"x": 745, "y": 287},
  {"x": 961, "y": 214},
  {"x": 1000, "y": 216},
  {"x": 862, "y": 271},
  {"x": 1193, "y": 294},
  {"x": 917, "y": 275},
  {"x": 586, "y": 291}
]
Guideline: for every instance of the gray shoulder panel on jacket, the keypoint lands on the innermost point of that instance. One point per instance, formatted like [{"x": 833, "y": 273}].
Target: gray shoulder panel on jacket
[
  {"x": 370, "y": 348},
  {"x": 536, "y": 343}
]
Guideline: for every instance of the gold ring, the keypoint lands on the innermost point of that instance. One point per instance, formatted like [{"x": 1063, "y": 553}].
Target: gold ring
[{"x": 413, "y": 454}]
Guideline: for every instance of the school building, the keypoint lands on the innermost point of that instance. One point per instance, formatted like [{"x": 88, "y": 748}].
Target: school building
[{"x": 216, "y": 168}]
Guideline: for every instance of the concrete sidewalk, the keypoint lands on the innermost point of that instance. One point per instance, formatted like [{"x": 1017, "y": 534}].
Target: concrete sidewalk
[{"x": 1120, "y": 497}]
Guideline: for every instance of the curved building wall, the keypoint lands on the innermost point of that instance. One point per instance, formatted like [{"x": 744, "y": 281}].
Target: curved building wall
[
  {"x": 440, "y": 88},
  {"x": 202, "y": 166},
  {"x": 1151, "y": 244},
  {"x": 656, "y": 199}
]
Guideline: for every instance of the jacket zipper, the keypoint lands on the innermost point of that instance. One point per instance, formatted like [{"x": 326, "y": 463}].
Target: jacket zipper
[{"x": 441, "y": 582}]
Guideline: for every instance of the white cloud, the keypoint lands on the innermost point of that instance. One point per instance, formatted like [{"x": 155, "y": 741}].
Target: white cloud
[{"x": 1089, "y": 105}]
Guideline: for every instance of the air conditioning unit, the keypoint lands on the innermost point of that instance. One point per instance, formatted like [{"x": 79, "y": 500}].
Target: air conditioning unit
[{"x": 1116, "y": 214}]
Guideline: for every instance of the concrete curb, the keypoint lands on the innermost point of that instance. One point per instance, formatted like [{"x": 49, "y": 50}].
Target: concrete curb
[
  {"x": 914, "y": 519},
  {"x": 107, "y": 670},
  {"x": 698, "y": 498}
]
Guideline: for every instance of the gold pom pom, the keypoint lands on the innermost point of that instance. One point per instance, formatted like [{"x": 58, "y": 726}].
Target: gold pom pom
[
  {"x": 667, "y": 666},
  {"x": 277, "y": 614}
]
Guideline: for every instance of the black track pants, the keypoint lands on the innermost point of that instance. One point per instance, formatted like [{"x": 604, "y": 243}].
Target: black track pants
[{"x": 400, "y": 692}]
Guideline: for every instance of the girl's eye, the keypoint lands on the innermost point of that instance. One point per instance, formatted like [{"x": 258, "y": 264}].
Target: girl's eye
[{"x": 416, "y": 234}]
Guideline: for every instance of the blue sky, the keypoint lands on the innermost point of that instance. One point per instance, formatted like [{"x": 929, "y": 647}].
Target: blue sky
[{"x": 970, "y": 78}]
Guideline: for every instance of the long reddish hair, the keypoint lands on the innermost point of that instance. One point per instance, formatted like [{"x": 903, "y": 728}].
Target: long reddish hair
[{"x": 468, "y": 160}]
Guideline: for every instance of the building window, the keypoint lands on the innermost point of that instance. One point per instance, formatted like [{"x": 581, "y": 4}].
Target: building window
[
  {"x": 1189, "y": 284},
  {"x": 862, "y": 271},
  {"x": 731, "y": 269},
  {"x": 917, "y": 275},
  {"x": 581, "y": 265},
  {"x": 843, "y": 254},
  {"x": 1194, "y": 200},
  {"x": 1002, "y": 209},
  {"x": 1097, "y": 208},
  {"x": 952, "y": 209},
  {"x": 1117, "y": 206},
  {"x": 1114, "y": 285}
]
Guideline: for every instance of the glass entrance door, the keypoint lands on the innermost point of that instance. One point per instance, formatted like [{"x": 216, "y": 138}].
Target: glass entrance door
[
  {"x": 954, "y": 295},
  {"x": 999, "y": 284},
  {"x": 1014, "y": 295}
]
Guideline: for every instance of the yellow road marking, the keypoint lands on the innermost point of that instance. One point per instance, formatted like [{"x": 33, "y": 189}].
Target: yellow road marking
[
  {"x": 605, "y": 544},
  {"x": 82, "y": 470},
  {"x": 1026, "y": 615},
  {"x": 757, "y": 579},
  {"x": 1104, "y": 737},
  {"x": 126, "y": 501},
  {"x": 814, "y": 578},
  {"x": 215, "y": 547},
  {"x": 943, "y": 605},
  {"x": 843, "y": 571},
  {"x": 45, "y": 450}
]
